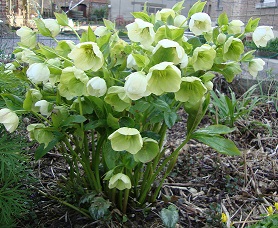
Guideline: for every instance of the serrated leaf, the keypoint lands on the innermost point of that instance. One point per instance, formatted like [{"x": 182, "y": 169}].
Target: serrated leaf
[
  {"x": 223, "y": 19},
  {"x": 141, "y": 15},
  {"x": 88, "y": 36},
  {"x": 215, "y": 129},
  {"x": 73, "y": 119},
  {"x": 13, "y": 102},
  {"x": 141, "y": 60},
  {"x": 41, "y": 151},
  {"x": 62, "y": 18},
  {"x": 170, "y": 216},
  {"x": 42, "y": 29},
  {"x": 88, "y": 198},
  {"x": 99, "y": 208},
  {"x": 161, "y": 105},
  {"x": 196, "y": 8},
  {"x": 178, "y": 6},
  {"x": 219, "y": 143},
  {"x": 126, "y": 122},
  {"x": 109, "y": 155},
  {"x": 248, "y": 56},
  {"x": 109, "y": 24},
  {"x": 252, "y": 25},
  {"x": 170, "y": 118},
  {"x": 47, "y": 51}
]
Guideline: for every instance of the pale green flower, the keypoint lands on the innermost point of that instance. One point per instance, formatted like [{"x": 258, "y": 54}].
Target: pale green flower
[
  {"x": 131, "y": 63},
  {"x": 117, "y": 97},
  {"x": 101, "y": 31},
  {"x": 192, "y": 90},
  {"x": 40, "y": 134},
  {"x": 38, "y": 72},
  {"x": 27, "y": 36},
  {"x": 221, "y": 38},
  {"x": 27, "y": 56},
  {"x": 141, "y": 31},
  {"x": 255, "y": 65},
  {"x": 164, "y": 77},
  {"x": 31, "y": 97},
  {"x": 203, "y": 57},
  {"x": 199, "y": 23},
  {"x": 235, "y": 26},
  {"x": 170, "y": 51},
  {"x": 87, "y": 56},
  {"x": 136, "y": 86},
  {"x": 52, "y": 25},
  {"x": 64, "y": 47},
  {"x": 180, "y": 21},
  {"x": 209, "y": 85},
  {"x": 120, "y": 181},
  {"x": 44, "y": 107},
  {"x": 73, "y": 83},
  {"x": 262, "y": 35},
  {"x": 96, "y": 86},
  {"x": 163, "y": 14},
  {"x": 148, "y": 152},
  {"x": 9, "y": 119},
  {"x": 233, "y": 48},
  {"x": 128, "y": 139},
  {"x": 117, "y": 52}
]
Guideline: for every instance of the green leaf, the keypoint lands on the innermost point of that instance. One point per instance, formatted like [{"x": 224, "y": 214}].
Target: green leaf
[
  {"x": 196, "y": 8},
  {"x": 112, "y": 121},
  {"x": 178, "y": 7},
  {"x": 219, "y": 143},
  {"x": 99, "y": 208},
  {"x": 98, "y": 106},
  {"x": 109, "y": 155},
  {"x": 252, "y": 25},
  {"x": 141, "y": 15},
  {"x": 126, "y": 122},
  {"x": 13, "y": 102},
  {"x": 109, "y": 24},
  {"x": 195, "y": 42},
  {"x": 170, "y": 20},
  {"x": 73, "y": 119},
  {"x": 88, "y": 198},
  {"x": 170, "y": 118},
  {"x": 196, "y": 114},
  {"x": 62, "y": 18},
  {"x": 247, "y": 56},
  {"x": 41, "y": 151},
  {"x": 42, "y": 29},
  {"x": 223, "y": 19},
  {"x": 47, "y": 51},
  {"x": 88, "y": 36},
  {"x": 215, "y": 130},
  {"x": 141, "y": 60},
  {"x": 170, "y": 216},
  {"x": 161, "y": 105}
]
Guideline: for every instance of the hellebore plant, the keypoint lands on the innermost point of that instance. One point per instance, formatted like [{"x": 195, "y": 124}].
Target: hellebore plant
[{"x": 106, "y": 104}]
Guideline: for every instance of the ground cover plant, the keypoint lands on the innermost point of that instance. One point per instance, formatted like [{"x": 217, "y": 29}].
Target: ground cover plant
[{"x": 105, "y": 105}]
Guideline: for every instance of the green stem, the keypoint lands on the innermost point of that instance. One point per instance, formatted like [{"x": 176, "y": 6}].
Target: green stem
[
  {"x": 159, "y": 169},
  {"x": 120, "y": 200},
  {"x": 65, "y": 203},
  {"x": 125, "y": 201},
  {"x": 75, "y": 32}
]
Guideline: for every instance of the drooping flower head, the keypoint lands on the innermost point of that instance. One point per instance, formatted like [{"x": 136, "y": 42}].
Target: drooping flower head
[
  {"x": 141, "y": 31},
  {"x": 233, "y": 48},
  {"x": 73, "y": 83},
  {"x": 9, "y": 119},
  {"x": 136, "y": 86},
  {"x": 255, "y": 65},
  {"x": 235, "y": 27},
  {"x": 44, "y": 107},
  {"x": 164, "y": 77},
  {"x": 170, "y": 51},
  {"x": 192, "y": 90},
  {"x": 96, "y": 86},
  {"x": 203, "y": 57},
  {"x": 117, "y": 98},
  {"x": 87, "y": 56},
  {"x": 128, "y": 139},
  {"x": 120, "y": 181},
  {"x": 262, "y": 35},
  {"x": 101, "y": 31},
  {"x": 163, "y": 14},
  {"x": 31, "y": 97},
  {"x": 180, "y": 21},
  {"x": 38, "y": 72},
  {"x": 27, "y": 36},
  {"x": 199, "y": 23},
  {"x": 52, "y": 25},
  {"x": 39, "y": 133}
]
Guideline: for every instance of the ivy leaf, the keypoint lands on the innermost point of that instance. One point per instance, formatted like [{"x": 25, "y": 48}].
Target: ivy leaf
[{"x": 170, "y": 216}]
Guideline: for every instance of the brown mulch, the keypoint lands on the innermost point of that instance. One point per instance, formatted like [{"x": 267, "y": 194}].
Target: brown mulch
[{"x": 203, "y": 185}]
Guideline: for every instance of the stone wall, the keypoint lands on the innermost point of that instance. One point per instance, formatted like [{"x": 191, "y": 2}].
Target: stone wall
[
  {"x": 244, "y": 9},
  {"x": 3, "y": 10}
]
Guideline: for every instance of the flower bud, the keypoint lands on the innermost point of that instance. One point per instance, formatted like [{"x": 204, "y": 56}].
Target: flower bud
[
  {"x": 96, "y": 87},
  {"x": 9, "y": 119}
]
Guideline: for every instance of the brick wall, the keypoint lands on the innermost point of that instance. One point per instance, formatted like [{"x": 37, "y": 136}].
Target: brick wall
[
  {"x": 3, "y": 10},
  {"x": 243, "y": 10}
]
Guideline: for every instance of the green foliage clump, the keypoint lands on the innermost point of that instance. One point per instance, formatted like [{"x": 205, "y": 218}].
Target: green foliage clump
[{"x": 270, "y": 221}]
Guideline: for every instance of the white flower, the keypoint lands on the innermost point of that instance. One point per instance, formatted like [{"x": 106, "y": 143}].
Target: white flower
[
  {"x": 87, "y": 56},
  {"x": 163, "y": 14},
  {"x": 120, "y": 181},
  {"x": 234, "y": 26},
  {"x": 27, "y": 36},
  {"x": 96, "y": 87},
  {"x": 180, "y": 21},
  {"x": 141, "y": 31},
  {"x": 131, "y": 63},
  {"x": 101, "y": 31},
  {"x": 199, "y": 23},
  {"x": 9, "y": 119},
  {"x": 177, "y": 55},
  {"x": 27, "y": 56},
  {"x": 255, "y": 65},
  {"x": 38, "y": 72},
  {"x": 262, "y": 35},
  {"x": 44, "y": 107},
  {"x": 52, "y": 25},
  {"x": 136, "y": 86}
]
